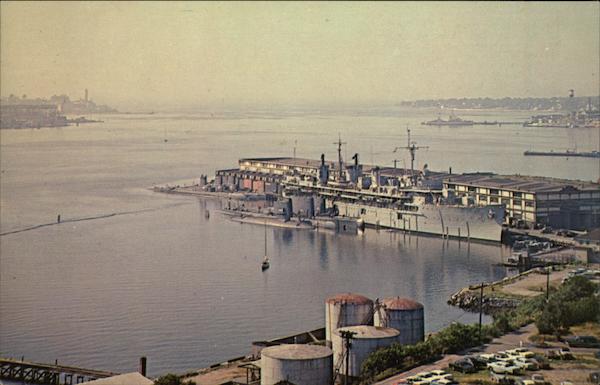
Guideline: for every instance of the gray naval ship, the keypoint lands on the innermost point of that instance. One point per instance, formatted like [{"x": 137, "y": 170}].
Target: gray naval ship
[{"x": 397, "y": 199}]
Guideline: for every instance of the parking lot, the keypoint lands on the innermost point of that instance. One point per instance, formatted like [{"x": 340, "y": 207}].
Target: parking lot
[{"x": 575, "y": 371}]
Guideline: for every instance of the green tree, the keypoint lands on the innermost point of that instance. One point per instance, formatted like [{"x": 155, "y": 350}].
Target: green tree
[
  {"x": 576, "y": 288},
  {"x": 575, "y": 302},
  {"x": 550, "y": 321},
  {"x": 172, "y": 379}
]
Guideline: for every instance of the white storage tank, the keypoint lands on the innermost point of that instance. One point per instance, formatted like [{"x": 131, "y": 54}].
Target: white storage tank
[
  {"x": 347, "y": 310},
  {"x": 403, "y": 314},
  {"x": 366, "y": 340},
  {"x": 299, "y": 364}
]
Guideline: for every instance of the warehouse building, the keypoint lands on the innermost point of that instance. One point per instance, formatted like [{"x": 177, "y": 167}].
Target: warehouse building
[{"x": 559, "y": 203}]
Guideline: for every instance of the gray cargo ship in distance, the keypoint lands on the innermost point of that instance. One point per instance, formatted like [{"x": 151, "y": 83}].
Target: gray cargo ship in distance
[{"x": 452, "y": 121}]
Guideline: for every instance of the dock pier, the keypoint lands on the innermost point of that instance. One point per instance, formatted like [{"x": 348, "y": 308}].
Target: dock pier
[{"x": 49, "y": 374}]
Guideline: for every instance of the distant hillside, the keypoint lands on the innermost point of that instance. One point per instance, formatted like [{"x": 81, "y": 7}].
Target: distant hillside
[{"x": 552, "y": 104}]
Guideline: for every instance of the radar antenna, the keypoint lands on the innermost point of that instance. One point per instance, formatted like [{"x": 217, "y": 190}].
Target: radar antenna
[{"x": 412, "y": 148}]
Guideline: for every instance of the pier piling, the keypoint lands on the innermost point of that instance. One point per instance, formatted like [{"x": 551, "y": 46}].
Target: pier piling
[{"x": 143, "y": 366}]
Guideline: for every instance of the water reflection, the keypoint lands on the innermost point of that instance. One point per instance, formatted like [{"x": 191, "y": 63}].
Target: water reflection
[
  {"x": 185, "y": 288},
  {"x": 323, "y": 252}
]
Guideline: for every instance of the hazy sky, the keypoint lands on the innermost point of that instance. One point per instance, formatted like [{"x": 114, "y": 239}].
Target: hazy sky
[{"x": 148, "y": 54}]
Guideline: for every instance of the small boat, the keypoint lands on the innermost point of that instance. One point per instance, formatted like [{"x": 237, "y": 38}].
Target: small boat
[{"x": 265, "y": 263}]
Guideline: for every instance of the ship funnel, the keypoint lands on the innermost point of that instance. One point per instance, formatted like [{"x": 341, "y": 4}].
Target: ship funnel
[{"x": 323, "y": 171}]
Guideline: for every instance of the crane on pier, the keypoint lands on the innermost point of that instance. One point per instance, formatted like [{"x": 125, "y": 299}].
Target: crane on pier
[
  {"x": 339, "y": 143},
  {"x": 412, "y": 148}
]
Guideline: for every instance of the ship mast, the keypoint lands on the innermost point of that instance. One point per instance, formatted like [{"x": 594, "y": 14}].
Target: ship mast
[
  {"x": 412, "y": 148},
  {"x": 340, "y": 161}
]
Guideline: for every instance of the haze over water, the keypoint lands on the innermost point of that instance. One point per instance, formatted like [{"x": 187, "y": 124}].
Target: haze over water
[{"x": 162, "y": 280}]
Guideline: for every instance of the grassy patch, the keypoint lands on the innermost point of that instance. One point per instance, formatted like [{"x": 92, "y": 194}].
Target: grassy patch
[
  {"x": 587, "y": 329},
  {"x": 580, "y": 362},
  {"x": 543, "y": 338},
  {"x": 538, "y": 289},
  {"x": 481, "y": 377},
  {"x": 503, "y": 294}
]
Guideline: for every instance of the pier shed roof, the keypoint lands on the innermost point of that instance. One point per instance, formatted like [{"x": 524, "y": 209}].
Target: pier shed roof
[
  {"x": 285, "y": 161},
  {"x": 134, "y": 378},
  {"x": 535, "y": 184}
]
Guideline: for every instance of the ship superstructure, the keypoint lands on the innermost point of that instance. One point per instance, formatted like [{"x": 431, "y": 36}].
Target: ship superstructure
[{"x": 398, "y": 199}]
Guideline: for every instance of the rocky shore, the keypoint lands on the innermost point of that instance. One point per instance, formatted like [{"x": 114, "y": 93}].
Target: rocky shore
[{"x": 468, "y": 300}]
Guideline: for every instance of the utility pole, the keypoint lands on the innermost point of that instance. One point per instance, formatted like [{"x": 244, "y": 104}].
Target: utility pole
[
  {"x": 347, "y": 336},
  {"x": 412, "y": 148},
  {"x": 547, "y": 284},
  {"x": 480, "y": 310}
]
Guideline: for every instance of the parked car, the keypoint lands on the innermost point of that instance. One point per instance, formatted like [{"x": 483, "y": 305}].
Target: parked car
[
  {"x": 412, "y": 379},
  {"x": 421, "y": 382},
  {"x": 422, "y": 378},
  {"x": 478, "y": 362},
  {"x": 542, "y": 361},
  {"x": 538, "y": 379},
  {"x": 464, "y": 365},
  {"x": 503, "y": 356},
  {"x": 425, "y": 375},
  {"x": 524, "y": 382},
  {"x": 503, "y": 379},
  {"x": 583, "y": 342},
  {"x": 504, "y": 367},
  {"x": 565, "y": 354},
  {"x": 527, "y": 363},
  {"x": 520, "y": 352},
  {"x": 441, "y": 374},
  {"x": 488, "y": 357},
  {"x": 443, "y": 381}
]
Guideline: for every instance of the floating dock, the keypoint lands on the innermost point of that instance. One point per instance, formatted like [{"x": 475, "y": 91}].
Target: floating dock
[{"x": 590, "y": 154}]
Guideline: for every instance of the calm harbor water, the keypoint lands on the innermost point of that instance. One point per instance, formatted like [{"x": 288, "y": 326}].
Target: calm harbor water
[{"x": 160, "y": 279}]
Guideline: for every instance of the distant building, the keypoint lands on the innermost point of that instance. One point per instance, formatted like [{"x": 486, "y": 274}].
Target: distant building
[
  {"x": 559, "y": 203},
  {"x": 30, "y": 116},
  {"x": 62, "y": 103}
]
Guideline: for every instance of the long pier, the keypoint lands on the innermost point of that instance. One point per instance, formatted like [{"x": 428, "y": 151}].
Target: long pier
[
  {"x": 48, "y": 374},
  {"x": 589, "y": 154}
]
